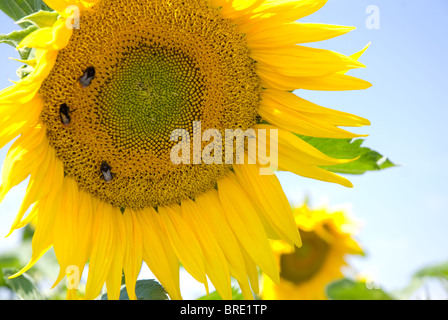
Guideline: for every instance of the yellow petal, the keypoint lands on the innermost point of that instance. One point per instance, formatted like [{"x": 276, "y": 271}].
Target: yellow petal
[
  {"x": 26, "y": 89},
  {"x": 291, "y": 10},
  {"x": 215, "y": 261},
  {"x": 103, "y": 244},
  {"x": 184, "y": 242},
  {"x": 23, "y": 158},
  {"x": 212, "y": 213},
  {"x": 271, "y": 201},
  {"x": 133, "y": 251},
  {"x": 82, "y": 223},
  {"x": 114, "y": 276},
  {"x": 299, "y": 157},
  {"x": 357, "y": 55},
  {"x": 49, "y": 38},
  {"x": 266, "y": 35},
  {"x": 236, "y": 9},
  {"x": 320, "y": 114},
  {"x": 252, "y": 272},
  {"x": 290, "y": 146},
  {"x": 332, "y": 82},
  {"x": 241, "y": 213},
  {"x": 158, "y": 253},
  {"x": 302, "y": 61},
  {"x": 15, "y": 118},
  {"x": 31, "y": 62},
  {"x": 291, "y": 120},
  {"x": 47, "y": 178},
  {"x": 43, "y": 234},
  {"x": 314, "y": 173},
  {"x": 81, "y": 243},
  {"x": 65, "y": 231}
]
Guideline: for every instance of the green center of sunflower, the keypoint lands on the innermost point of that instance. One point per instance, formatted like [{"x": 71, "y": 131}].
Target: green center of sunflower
[
  {"x": 133, "y": 73},
  {"x": 305, "y": 262},
  {"x": 153, "y": 92}
]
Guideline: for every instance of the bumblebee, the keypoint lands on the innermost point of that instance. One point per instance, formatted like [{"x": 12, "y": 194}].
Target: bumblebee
[
  {"x": 64, "y": 114},
  {"x": 106, "y": 171},
  {"x": 87, "y": 77}
]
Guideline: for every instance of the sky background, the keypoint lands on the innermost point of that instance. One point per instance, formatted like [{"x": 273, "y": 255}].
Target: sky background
[{"x": 404, "y": 210}]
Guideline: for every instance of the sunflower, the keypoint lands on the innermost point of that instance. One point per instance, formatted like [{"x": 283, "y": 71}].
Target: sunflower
[
  {"x": 328, "y": 236},
  {"x": 94, "y": 120}
]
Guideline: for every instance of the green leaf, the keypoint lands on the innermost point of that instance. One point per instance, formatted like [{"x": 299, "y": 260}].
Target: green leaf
[
  {"x": 15, "y": 37},
  {"x": 7, "y": 261},
  {"x": 347, "y": 289},
  {"x": 406, "y": 292},
  {"x": 236, "y": 295},
  {"x": 28, "y": 232},
  {"x": 41, "y": 19},
  {"x": 17, "y": 9},
  {"x": 24, "y": 71},
  {"x": 435, "y": 271},
  {"x": 23, "y": 286},
  {"x": 369, "y": 160},
  {"x": 144, "y": 290}
]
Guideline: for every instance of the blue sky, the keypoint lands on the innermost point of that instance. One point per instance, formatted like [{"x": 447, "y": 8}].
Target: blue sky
[{"x": 405, "y": 209}]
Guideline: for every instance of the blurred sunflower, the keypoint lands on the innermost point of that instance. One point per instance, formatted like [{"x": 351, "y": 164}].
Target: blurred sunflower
[
  {"x": 94, "y": 119},
  {"x": 327, "y": 238}
]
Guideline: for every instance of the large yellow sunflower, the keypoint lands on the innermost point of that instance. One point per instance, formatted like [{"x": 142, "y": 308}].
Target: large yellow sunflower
[
  {"x": 95, "y": 116},
  {"x": 328, "y": 237}
]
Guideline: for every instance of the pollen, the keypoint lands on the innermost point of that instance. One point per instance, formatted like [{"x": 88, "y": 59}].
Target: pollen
[{"x": 134, "y": 72}]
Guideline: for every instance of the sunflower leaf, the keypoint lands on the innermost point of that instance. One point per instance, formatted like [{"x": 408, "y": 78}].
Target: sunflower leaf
[
  {"x": 15, "y": 37},
  {"x": 369, "y": 160},
  {"x": 24, "y": 71},
  {"x": 23, "y": 286},
  {"x": 41, "y": 19},
  {"x": 347, "y": 289},
  {"x": 7, "y": 260},
  {"x": 437, "y": 271},
  {"x": 236, "y": 295},
  {"x": 434, "y": 271},
  {"x": 17, "y": 9},
  {"x": 144, "y": 290}
]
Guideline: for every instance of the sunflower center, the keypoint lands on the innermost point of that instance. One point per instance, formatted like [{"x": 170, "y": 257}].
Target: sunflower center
[
  {"x": 153, "y": 92},
  {"x": 133, "y": 73},
  {"x": 304, "y": 262}
]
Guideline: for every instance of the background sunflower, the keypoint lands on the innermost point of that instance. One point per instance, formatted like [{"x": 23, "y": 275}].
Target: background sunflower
[{"x": 328, "y": 239}]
